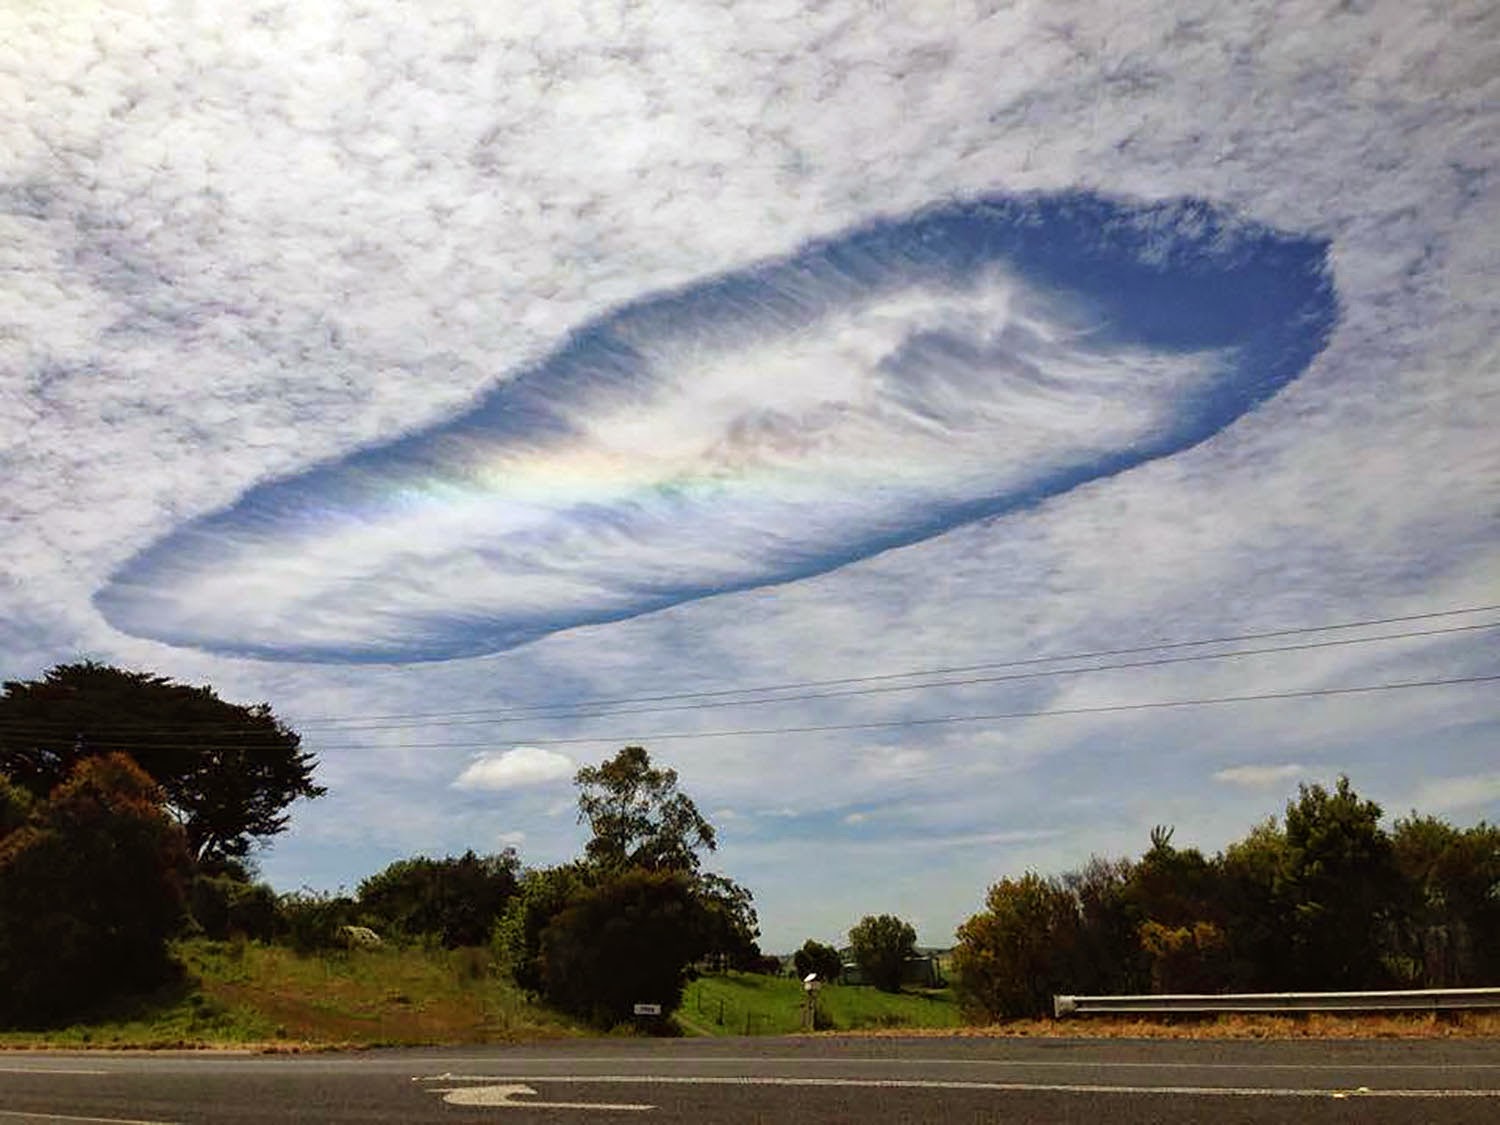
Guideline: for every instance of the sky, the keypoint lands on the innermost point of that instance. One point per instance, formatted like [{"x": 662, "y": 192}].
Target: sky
[{"x": 893, "y": 415}]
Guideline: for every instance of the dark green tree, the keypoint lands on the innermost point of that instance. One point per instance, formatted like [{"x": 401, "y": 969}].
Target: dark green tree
[
  {"x": 1447, "y": 928},
  {"x": 458, "y": 901},
  {"x": 628, "y": 940},
  {"x": 91, "y": 888},
  {"x": 1341, "y": 882},
  {"x": 638, "y": 816},
  {"x": 228, "y": 772},
  {"x": 881, "y": 943},
  {"x": 1107, "y": 956},
  {"x": 542, "y": 895},
  {"x": 1255, "y": 897},
  {"x": 815, "y": 957},
  {"x": 730, "y": 921}
]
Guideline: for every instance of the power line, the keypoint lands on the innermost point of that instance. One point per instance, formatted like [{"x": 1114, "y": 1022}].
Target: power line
[
  {"x": 23, "y": 731},
  {"x": 940, "y": 671},
  {"x": 850, "y": 692},
  {"x": 669, "y": 736},
  {"x": 721, "y": 697},
  {"x": 993, "y": 716}
]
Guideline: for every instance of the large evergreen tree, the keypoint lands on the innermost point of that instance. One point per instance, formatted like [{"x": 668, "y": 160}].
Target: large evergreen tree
[{"x": 228, "y": 772}]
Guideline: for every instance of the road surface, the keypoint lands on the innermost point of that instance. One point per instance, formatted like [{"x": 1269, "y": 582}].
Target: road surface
[{"x": 657, "y": 1082}]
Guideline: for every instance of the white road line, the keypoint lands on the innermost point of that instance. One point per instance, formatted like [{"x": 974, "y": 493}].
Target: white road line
[
  {"x": 938, "y": 1084},
  {"x": 761, "y": 1060},
  {"x": 25, "y": 1115},
  {"x": 47, "y": 1070}
]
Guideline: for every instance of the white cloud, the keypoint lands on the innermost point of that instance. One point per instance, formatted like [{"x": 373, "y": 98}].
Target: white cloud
[
  {"x": 1451, "y": 794},
  {"x": 515, "y": 769},
  {"x": 233, "y": 245},
  {"x": 511, "y": 839},
  {"x": 1260, "y": 777},
  {"x": 856, "y": 818}
]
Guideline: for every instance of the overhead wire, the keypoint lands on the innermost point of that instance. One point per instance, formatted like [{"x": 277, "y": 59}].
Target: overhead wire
[{"x": 703, "y": 700}]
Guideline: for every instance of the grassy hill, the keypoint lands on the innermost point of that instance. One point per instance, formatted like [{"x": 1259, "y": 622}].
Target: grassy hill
[{"x": 242, "y": 994}]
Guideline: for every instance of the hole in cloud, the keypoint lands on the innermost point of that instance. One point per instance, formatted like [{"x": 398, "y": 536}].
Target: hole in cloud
[{"x": 870, "y": 391}]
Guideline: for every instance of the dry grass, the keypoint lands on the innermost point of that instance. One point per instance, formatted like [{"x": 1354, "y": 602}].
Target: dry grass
[
  {"x": 378, "y": 997},
  {"x": 1462, "y": 1025},
  {"x": 251, "y": 996}
]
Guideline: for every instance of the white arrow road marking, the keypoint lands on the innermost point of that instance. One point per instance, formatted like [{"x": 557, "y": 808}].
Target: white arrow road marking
[
  {"x": 937, "y": 1084},
  {"x": 506, "y": 1095}
]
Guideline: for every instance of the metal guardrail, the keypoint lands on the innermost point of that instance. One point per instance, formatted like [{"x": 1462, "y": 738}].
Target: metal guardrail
[{"x": 1409, "y": 1000}]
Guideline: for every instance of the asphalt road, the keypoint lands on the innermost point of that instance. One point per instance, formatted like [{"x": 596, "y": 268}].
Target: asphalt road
[{"x": 979, "y": 1081}]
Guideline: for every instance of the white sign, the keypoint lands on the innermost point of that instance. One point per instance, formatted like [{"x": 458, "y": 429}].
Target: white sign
[{"x": 648, "y": 1009}]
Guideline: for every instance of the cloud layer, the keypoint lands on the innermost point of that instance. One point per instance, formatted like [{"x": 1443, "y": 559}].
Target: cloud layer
[
  {"x": 238, "y": 243},
  {"x": 762, "y": 426}
]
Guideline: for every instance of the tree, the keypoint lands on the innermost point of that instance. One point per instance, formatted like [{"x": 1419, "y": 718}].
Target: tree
[
  {"x": 228, "y": 772},
  {"x": 638, "y": 817},
  {"x": 630, "y": 939},
  {"x": 1173, "y": 895},
  {"x": 731, "y": 925},
  {"x": 456, "y": 900},
  {"x": 1447, "y": 928},
  {"x": 543, "y": 894},
  {"x": 91, "y": 888},
  {"x": 1018, "y": 951},
  {"x": 815, "y": 957},
  {"x": 1341, "y": 881},
  {"x": 1107, "y": 951},
  {"x": 1258, "y": 911},
  {"x": 881, "y": 944}
]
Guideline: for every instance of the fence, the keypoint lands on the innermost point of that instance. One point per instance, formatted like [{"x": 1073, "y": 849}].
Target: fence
[{"x": 1409, "y": 1000}]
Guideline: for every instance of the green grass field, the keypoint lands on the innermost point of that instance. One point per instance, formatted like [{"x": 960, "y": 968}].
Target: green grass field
[{"x": 744, "y": 1004}]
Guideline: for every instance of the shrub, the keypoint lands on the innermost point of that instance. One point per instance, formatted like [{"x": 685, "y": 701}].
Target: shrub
[
  {"x": 313, "y": 921},
  {"x": 224, "y": 907},
  {"x": 456, "y": 901},
  {"x": 881, "y": 944},
  {"x": 626, "y": 940},
  {"x": 815, "y": 957},
  {"x": 91, "y": 889},
  {"x": 1014, "y": 955}
]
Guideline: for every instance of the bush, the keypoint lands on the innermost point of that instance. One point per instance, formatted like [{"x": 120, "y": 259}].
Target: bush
[
  {"x": 629, "y": 939},
  {"x": 1011, "y": 958},
  {"x": 456, "y": 901},
  {"x": 91, "y": 889},
  {"x": 312, "y": 922},
  {"x": 544, "y": 893},
  {"x": 225, "y": 907},
  {"x": 815, "y": 957},
  {"x": 881, "y": 944}
]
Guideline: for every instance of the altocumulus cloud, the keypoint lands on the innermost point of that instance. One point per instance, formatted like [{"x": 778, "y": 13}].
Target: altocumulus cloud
[
  {"x": 871, "y": 391},
  {"x": 515, "y": 769}
]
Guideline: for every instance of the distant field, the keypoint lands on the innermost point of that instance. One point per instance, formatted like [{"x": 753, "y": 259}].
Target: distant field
[{"x": 744, "y": 1004}]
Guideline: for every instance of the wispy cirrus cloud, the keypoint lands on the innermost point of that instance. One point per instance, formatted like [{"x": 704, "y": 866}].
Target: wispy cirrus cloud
[{"x": 874, "y": 390}]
